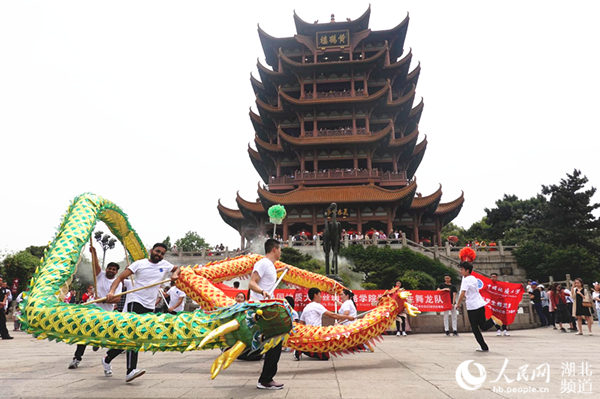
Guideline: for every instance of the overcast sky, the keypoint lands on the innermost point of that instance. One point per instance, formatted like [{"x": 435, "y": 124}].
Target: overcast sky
[{"x": 146, "y": 103}]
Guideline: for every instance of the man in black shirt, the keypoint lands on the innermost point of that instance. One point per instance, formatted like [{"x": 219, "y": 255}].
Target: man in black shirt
[
  {"x": 447, "y": 286},
  {"x": 536, "y": 298},
  {"x": 3, "y": 299}
]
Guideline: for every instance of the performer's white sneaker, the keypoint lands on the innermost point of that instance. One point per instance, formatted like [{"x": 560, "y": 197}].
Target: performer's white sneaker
[
  {"x": 270, "y": 385},
  {"x": 74, "y": 364},
  {"x": 398, "y": 334},
  {"x": 107, "y": 368},
  {"x": 403, "y": 332},
  {"x": 506, "y": 334},
  {"x": 135, "y": 373},
  {"x": 499, "y": 332}
]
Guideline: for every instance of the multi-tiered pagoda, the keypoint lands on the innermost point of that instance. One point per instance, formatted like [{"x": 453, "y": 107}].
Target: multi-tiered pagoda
[{"x": 337, "y": 123}]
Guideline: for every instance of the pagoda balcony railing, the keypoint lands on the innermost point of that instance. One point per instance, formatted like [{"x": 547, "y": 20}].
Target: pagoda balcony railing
[
  {"x": 339, "y": 176},
  {"x": 333, "y": 94},
  {"x": 343, "y": 131}
]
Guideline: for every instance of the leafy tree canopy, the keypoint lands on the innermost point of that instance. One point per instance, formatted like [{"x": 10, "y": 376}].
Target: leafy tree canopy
[
  {"x": 556, "y": 231},
  {"x": 22, "y": 265},
  {"x": 191, "y": 242}
]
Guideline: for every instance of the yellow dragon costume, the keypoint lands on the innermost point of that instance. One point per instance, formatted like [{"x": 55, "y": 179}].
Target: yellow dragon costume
[{"x": 220, "y": 323}]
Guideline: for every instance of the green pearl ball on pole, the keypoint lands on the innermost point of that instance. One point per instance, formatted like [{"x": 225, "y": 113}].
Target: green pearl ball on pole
[{"x": 276, "y": 215}]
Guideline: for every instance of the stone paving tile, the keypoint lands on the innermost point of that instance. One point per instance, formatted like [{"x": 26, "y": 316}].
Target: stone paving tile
[{"x": 417, "y": 366}]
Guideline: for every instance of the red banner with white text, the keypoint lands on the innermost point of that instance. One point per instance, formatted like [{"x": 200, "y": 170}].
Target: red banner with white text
[
  {"x": 426, "y": 301},
  {"x": 502, "y": 298},
  {"x": 430, "y": 301}
]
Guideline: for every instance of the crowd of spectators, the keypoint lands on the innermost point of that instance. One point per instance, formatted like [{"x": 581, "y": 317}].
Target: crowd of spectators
[{"x": 565, "y": 309}]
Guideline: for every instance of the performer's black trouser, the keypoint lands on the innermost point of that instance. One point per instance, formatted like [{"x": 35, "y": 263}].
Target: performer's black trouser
[
  {"x": 132, "y": 356},
  {"x": 79, "y": 352},
  {"x": 3, "y": 330},
  {"x": 270, "y": 366},
  {"x": 478, "y": 324},
  {"x": 403, "y": 324}
]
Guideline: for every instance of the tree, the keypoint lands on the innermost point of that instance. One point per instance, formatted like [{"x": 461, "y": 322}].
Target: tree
[
  {"x": 513, "y": 213},
  {"x": 478, "y": 231},
  {"x": 191, "y": 242},
  {"x": 562, "y": 235},
  {"x": 106, "y": 242},
  {"x": 417, "y": 280},
  {"x": 569, "y": 218},
  {"x": 453, "y": 230},
  {"x": 167, "y": 242},
  {"x": 22, "y": 265},
  {"x": 293, "y": 257}
]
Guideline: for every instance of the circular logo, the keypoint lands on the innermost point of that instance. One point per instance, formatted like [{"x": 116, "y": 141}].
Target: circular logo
[
  {"x": 468, "y": 381},
  {"x": 479, "y": 284}
]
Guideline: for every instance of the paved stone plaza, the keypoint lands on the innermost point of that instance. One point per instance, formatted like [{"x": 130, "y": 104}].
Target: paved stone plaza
[{"x": 418, "y": 366}]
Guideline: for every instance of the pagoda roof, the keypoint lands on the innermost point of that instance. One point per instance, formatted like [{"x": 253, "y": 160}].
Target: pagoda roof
[
  {"x": 449, "y": 210},
  {"x": 415, "y": 113},
  {"x": 260, "y": 90},
  {"x": 271, "y": 147},
  {"x": 406, "y": 139},
  {"x": 413, "y": 76},
  {"x": 232, "y": 217},
  {"x": 256, "y": 84},
  {"x": 258, "y": 163},
  {"x": 335, "y": 140},
  {"x": 395, "y": 36},
  {"x": 333, "y": 66},
  {"x": 338, "y": 194},
  {"x": 403, "y": 100},
  {"x": 271, "y": 46},
  {"x": 335, "y": 101},
  {"x": 259, "y": 127},
  {"x": 427, "y": 204},
  {"x": 270, "y": 111},
  {"x": 272, "y": 78},
  {"x": 417, "y": 157},
  {"x": 255, "y": 207},
  {"x": 399, "y": 67},
  {"x": 450, "y": 206},
  {"x": 356, "y": 25}
]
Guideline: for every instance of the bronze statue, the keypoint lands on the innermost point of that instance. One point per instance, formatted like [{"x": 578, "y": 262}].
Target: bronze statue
[{"x": 331, "y": 240}]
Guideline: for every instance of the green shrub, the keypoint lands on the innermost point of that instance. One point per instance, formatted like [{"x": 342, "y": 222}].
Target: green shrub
[{"x": 383, "y": 266}]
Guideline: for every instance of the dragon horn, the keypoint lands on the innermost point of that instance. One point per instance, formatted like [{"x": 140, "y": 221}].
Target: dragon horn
[
  {"x": 412, "y": 310},
  {"x": 228, "y": 327},
  {"x": 226, "y": 358}
]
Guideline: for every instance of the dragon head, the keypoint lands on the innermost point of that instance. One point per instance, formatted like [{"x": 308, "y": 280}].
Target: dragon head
[
  {"x": 254, "y": 326},
  {"x": 400, "y": 296}
]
